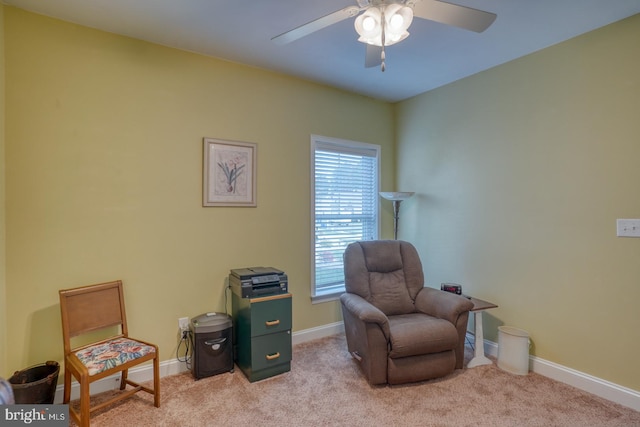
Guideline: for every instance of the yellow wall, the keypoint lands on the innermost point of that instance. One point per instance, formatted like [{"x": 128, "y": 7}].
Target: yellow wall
[
  {"x": 3, "y": 304},
  {"x": 104, "y": 178},
  {"x": 521, "y": 172}
]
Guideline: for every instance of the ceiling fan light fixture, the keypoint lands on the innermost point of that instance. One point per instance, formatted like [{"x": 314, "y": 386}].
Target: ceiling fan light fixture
[
  {"x": 369, "y": 25},
  {"x": 397, "y": 19}
]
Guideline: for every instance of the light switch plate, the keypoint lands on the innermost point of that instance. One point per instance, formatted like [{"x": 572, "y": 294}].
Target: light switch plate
[{"x": 628, "y": 227}]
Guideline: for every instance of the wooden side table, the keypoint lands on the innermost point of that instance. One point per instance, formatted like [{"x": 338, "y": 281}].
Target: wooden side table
[{"x": 478, "y": 307}]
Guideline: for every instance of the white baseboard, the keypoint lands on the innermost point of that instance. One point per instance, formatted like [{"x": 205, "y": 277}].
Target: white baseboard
[
  {"x": 138, "y": 374},
  {"x": 172, "y": 367},
  {"x": 605, "y": 389},
  {"x": 317, "y": 332}
]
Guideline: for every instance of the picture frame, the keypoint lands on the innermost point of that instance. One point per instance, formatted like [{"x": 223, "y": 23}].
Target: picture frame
[{"x": 229, "y": 173}]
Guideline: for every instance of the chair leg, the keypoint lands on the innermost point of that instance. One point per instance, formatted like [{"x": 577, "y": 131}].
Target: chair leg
[
  {"x": 156, "y": 381},
  {"x": 123, "y": 379},
  {"x": 84, "y": 401},
  {"x": 66, "y": 396}
]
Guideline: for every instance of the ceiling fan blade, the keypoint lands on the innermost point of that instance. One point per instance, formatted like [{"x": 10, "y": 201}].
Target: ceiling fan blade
[
  {"x": 316, "y": 24},
  {"x": 453, "y": 14},
  {"x": 373, "y": 56}
]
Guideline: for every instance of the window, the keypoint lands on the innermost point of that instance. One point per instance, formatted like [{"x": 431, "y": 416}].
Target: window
[{"x": 344, "y": 207}]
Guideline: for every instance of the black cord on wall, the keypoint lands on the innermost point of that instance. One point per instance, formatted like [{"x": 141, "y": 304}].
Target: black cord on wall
[{"x": 187, "y": 341}]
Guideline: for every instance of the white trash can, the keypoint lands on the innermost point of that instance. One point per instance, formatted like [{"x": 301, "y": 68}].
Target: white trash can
[{"x": 513, "y": 350}]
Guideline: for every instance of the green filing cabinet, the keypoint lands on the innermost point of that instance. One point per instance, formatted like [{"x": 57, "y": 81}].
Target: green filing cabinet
[{"x": 262, "y": 328}]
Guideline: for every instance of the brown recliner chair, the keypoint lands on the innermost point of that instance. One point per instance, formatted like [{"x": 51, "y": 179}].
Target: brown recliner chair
[{"x": 399, "y": 330}]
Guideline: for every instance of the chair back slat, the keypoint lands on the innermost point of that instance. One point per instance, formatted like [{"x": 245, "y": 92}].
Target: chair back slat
[{"x": 92, "y": 308}]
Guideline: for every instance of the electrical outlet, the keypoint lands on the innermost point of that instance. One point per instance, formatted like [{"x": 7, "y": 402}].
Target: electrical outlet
[
  {"x": 628, "y": 227},
  {"x": 183, "y": 323}
]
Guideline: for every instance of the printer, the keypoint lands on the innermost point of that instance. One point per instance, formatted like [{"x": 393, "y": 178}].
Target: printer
[{"x": 252, "y": 282}]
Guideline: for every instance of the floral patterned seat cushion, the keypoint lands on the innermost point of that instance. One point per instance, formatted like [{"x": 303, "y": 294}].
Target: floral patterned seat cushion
[{"x": 109, "y": 354}]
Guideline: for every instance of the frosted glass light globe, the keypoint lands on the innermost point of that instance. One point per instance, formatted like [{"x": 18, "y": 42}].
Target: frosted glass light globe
[
  {"x": 396, "y": 21},
  {"x": 368, "y": 23}
]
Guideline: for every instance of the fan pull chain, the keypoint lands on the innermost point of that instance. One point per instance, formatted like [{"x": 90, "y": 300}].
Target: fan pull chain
[{"x": 382, "y": 39}]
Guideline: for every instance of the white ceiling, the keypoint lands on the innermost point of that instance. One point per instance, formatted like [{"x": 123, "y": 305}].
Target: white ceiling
[{"x": 433, "y": 55}]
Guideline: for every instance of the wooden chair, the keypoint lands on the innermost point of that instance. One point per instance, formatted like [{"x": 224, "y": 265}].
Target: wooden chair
[{"x": 89, "y": 309}]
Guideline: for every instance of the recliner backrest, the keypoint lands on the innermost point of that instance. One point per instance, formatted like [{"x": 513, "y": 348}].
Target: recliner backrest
[{"x": 387, "y": 273}]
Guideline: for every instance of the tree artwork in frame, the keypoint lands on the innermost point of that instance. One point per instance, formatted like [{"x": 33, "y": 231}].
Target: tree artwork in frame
[{"x": 229, "y": 173}]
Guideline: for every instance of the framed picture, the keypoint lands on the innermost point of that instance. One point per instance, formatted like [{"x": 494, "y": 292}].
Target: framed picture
[{"x": 229, "y": 173}]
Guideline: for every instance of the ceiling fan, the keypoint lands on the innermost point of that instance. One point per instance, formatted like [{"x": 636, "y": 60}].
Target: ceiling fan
[{"x": 382, "y": 23}]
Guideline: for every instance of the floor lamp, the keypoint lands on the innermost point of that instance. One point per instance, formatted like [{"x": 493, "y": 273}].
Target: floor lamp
[{"x": 396, "y": 197}]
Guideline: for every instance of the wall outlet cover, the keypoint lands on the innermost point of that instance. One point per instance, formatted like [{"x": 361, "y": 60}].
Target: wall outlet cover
[
  {"x": 628, "y": 227},
  {"x": 183, "y": 323}
]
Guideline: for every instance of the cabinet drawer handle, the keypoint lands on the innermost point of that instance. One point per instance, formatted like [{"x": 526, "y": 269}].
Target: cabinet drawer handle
[
  {"x": 273, "y": 356},
  {"x": 272, "y": 322}
]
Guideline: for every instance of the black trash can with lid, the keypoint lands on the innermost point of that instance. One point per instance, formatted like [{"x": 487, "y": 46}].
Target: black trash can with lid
[
  {"x": 212, "y": 344},
  {"x": 36, "y": 384}
]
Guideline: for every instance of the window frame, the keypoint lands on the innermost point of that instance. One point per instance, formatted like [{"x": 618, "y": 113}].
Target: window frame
[{"x": 356, "y": 147}]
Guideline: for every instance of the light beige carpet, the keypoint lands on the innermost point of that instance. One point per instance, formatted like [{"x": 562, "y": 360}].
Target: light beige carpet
[{"x": 326, "y": 388}]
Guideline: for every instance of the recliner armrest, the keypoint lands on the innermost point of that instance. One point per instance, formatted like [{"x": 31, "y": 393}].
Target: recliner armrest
[
  {"x": 365, "y": 311},
  {"x": 443, "y": 305}
]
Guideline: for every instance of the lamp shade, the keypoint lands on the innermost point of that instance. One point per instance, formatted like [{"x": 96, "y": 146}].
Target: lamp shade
[
  {"x": 396, "y": 195},
  {"x": 397, "y": 21},
  {"x": 369, "y": 26}
]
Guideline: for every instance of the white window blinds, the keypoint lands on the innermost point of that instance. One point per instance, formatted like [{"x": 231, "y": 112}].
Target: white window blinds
[{"x": 345, "y": 206}]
